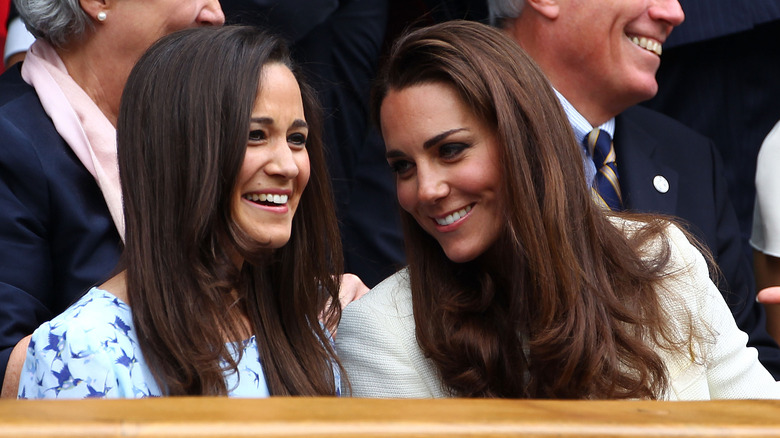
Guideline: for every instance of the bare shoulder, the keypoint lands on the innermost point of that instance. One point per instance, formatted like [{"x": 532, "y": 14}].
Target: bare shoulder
[
  {"x": 117, "y": 286},
  {"x": 14, "y": 368}
]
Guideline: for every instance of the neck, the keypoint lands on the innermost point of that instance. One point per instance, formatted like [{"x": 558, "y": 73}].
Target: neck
[
  {"x": 533, "y": 34},
  {"x": 587, "y": 105},
  {"x": 101, "y": 76},
  {"x": 117, "y": 286}
]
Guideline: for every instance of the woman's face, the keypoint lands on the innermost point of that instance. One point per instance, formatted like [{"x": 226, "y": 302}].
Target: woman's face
[
  {"x": 447, "y": 169},
  {"x": 142, "y": 22},
  {"x": 276, "y": 165}
]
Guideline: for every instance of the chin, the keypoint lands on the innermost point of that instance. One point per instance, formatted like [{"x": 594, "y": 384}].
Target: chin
[
  {"x": 456, "y": 256},
  {"x": 645, "y": 90},
  {"x": 278, "y": 243},
  {"x": 271, "y": 242}
]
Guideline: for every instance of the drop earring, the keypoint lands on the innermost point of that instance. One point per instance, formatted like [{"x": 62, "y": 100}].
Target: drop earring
[{"x": 101, "y": 16}]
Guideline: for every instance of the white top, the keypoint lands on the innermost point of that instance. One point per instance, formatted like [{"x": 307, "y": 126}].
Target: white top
[
  {"x": 377, "y": 345},
  {"x": 18, "y": 39},
  {"x": 766, "y": 216}
]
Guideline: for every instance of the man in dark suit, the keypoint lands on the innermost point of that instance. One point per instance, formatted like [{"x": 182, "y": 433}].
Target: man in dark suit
[
  {"x": 719, "y": 77},
  {"x": 57, "y": 237},
  {"x": 602, "y": 59}
]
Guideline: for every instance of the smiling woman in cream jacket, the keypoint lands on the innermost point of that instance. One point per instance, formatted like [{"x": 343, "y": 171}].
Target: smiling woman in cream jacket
[{"x": 518, "y": 284}]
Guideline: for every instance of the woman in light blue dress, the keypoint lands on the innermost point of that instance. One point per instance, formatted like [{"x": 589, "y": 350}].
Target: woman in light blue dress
[{"x": 231, "y": 237}]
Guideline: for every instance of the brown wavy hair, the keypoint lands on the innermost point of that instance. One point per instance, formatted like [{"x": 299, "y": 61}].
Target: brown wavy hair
[
  {"x": 182, "y": 135},
  {"x": 566, "y": 307}
]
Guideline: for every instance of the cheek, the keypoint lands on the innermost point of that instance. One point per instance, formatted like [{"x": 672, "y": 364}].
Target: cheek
[
  {"x": 489, "y": 181},
  {"x": 407, "y": 194},
  {"x": 304, "y": 169},
  {"x": 181, "y": 14},
  {"x": 246, "y": 171}
]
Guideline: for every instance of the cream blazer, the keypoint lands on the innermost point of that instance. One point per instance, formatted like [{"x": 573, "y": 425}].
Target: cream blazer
[{"x": 377, "y": 345}]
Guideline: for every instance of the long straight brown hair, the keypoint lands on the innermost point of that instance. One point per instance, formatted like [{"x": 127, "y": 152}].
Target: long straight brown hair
[
  {"x": 566, "y": 307},
  {"x": 182, "y": 134}
]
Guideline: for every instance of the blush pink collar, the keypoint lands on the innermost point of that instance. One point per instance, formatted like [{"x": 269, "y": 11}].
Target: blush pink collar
[{"x": 78, "y": 120}]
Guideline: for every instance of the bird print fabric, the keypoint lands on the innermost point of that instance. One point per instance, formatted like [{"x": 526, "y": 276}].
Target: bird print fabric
[{"x": 91, "y": 350}]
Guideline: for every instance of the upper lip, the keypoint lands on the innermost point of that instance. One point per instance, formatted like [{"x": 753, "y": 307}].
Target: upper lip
[
  {"x": 659, "y": 40},
  {"x": 270, "y": 191},
  {"x": 648, "y": 43},
  {"x": 444, "y": 215}
]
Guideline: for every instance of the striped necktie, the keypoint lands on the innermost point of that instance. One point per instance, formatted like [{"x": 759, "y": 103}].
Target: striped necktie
[{"x": 606, "y": 188}]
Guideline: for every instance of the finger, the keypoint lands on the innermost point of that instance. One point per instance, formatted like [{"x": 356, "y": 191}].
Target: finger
[
  {"x": 352, "y": 288},
  {"x": 769, "y": 295}
]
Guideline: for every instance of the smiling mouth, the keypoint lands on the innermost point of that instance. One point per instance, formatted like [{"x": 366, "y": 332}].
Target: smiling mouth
[
  {"x": 451, "y": 218},
  {"x": 648, "y": 44},
  {"x": 266, "y": 199}
]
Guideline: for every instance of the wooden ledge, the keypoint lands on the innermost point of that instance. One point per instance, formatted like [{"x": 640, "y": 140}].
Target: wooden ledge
[{"x": 321, "y": 417}]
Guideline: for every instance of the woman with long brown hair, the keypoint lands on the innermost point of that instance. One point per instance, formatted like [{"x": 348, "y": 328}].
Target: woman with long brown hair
[
  {"x": 231, "y": 237},
  {"x": 61, "y": 229},
  {"x": 518, "y": 284}
]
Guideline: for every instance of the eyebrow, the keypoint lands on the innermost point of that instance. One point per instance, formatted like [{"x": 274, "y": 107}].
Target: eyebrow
[
  {"x": 297, "y": 123},
  {"x": 395, "y": 153},
  {"x": 428, "y": 143},
  {"x": 439, "y": 137}
]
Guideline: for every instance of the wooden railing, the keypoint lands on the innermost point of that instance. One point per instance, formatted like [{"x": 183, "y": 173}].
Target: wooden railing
[{"x": 327, "y": 417}]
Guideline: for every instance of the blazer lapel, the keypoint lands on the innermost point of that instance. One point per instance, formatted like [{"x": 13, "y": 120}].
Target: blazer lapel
[{"x": 643, "y": 179}]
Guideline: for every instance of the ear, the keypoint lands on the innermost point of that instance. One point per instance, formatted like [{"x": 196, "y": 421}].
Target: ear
[
  {"x": 547, "y": 8},
  {"x": 92, "y": 7}
]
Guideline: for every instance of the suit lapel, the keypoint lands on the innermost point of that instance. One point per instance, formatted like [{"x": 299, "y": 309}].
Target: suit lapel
[{"x": 638, "y": 169}]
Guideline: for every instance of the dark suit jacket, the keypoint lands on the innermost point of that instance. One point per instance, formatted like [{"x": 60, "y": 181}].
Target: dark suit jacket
[
  {"x": 718, "y": 75},
  {"x": 648, "y": 144},
  {"x": 707, "y": 19},
  {"x": 56, "y": 234}
]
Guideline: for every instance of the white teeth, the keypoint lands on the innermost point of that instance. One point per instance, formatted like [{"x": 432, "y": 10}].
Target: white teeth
[
  {"x": 648, "y": 44},
  {"x": 267, "y": 197},
  {"x": 451, "y": 218}
]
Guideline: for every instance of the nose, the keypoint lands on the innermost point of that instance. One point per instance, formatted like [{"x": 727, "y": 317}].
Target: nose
[
  {"x": 282, "y": 163},
  {"x": 669, "y": 11},
  {"x": 431, "y": 187},
  {"x": 211, "y": 14}
]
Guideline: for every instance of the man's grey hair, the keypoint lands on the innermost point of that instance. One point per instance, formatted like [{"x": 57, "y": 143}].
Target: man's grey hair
[
  {"x": 500, "y": 10},
  {"x": 56, "y": 21}
]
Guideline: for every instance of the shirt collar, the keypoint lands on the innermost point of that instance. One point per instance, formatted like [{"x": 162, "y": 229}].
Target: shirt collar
[{"x": 578, "y": 122}]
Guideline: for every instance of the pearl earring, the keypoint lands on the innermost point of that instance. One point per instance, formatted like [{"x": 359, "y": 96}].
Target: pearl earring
[{"x": 101, "y": 16}]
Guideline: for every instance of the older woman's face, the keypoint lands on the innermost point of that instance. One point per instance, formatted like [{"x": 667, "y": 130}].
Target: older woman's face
[
  {"x": 447, "y": 167},
  {"x": 142, "y": 22},
  {"x": 276, "y": 165}
]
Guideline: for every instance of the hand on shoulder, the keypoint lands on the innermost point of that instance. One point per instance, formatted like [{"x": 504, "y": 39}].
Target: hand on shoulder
[{"x": 352, "y": 288}]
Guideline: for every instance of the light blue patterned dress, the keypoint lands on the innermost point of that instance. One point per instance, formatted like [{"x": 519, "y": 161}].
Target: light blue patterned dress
[{"x": 91, "y": 350}]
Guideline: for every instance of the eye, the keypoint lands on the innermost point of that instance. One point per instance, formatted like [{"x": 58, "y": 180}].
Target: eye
[
  {"x": 257, "y": 135},
  {"x": 401, "y": 168},
  {"x": 452, "y": 150},
  {"x": 297, "y": 139}
]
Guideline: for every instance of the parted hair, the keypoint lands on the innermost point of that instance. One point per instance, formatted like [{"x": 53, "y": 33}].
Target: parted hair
[
  {"x": 566, "y": 305},
  {"x": 182, "y": 133}
]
